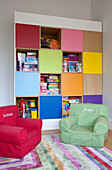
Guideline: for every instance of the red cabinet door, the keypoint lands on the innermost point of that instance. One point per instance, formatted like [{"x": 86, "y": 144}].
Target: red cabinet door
[{"x": 27, "y": 36}]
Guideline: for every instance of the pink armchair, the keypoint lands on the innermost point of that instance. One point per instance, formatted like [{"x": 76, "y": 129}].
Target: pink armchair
[{"x": 18, "y": 136}]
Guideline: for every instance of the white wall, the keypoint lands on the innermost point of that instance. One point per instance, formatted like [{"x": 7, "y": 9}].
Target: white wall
[
  {"x": 80, "y": 9},
  {"x": 101, "y": 10}
]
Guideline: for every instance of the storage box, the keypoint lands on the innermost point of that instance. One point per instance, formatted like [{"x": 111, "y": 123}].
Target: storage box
[{"x": 43, "y": 86}]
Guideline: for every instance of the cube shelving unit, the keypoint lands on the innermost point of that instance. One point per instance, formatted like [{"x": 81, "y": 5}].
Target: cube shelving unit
[{"x": 76, "y": 37}]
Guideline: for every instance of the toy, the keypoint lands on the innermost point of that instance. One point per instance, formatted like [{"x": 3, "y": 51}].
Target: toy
[
  {"x": 79, "y": 67},
  {"x": 32, "y": 103},
  {"x": 72, "y": 57},
  {"x": 22, "y": 107},
  {"x": 53, "y": 78},
  {"x": 42, "y": 79},
  {"x": 49, "y": 43},
  {"x": 66, "y": 107},
  {"x": 72, "y": 66},
  {"x": 43, "y": 92},
  {"x": 65, "y": 64},
  {"x": 64, "y": 115},
  {"x": 54, "y": 44},
  {"x": 43, "y": 86},
  {"x": 71, "y": 99},
  {"x": 28, "y": 115},
  {"x": 33, "y": 112},
  {"x": 44, "y": 43}
]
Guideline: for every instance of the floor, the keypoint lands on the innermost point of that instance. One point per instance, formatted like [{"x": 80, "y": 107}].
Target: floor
[{"x": 108, "y": 142}]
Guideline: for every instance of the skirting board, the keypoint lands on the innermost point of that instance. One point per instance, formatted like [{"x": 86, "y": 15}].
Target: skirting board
[
  {"x": 50, "y": 124},
  {"x": 110, "y": 123}
]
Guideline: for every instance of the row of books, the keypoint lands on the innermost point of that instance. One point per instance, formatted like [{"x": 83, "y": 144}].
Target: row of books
[
  {"x": 50, "y": 85},
  {"x": 72, "y": 66},
  {"x": 27, "y": 61}
]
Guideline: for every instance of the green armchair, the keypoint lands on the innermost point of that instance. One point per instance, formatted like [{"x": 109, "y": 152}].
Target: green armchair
[{"x": 86, "y": 125}]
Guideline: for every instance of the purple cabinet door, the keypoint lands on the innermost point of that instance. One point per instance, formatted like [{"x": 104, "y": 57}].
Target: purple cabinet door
[{"x": 95, "y": 99}]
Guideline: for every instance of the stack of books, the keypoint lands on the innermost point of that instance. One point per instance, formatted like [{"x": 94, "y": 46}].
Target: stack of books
[
  {"x": 71, "y": 99},
  {"x": 53, "y": 78},
  {"x": 31, "y": 63},
  {"x": 53, "y": 88},
  {"x": 49, "y": 85},
  {"x": 53, "y": 84}
]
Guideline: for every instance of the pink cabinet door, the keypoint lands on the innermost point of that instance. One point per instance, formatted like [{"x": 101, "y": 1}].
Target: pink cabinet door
[
  {"x": 27, "y": 36},
  {"x": 72, "y": 40}
]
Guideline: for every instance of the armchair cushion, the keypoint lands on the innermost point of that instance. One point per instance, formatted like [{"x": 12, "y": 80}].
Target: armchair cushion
[
  {"x": 66, "y": 123},
  {"x": 11, "y": 134},
  {"x": 27, "y": 123},
  {"x": 100, "y": 126}
]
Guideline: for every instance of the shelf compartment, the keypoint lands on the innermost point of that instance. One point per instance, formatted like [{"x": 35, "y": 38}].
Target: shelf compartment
[
  {"x": 92, "y": 84},
  {"x": 50, "y": 107},
  {"x": 27, "y": 84},
  {"x": 67, "y": 100},
  {"x": 72, "y": 62},
  {"x": 92, "y": 63},
  {"x": 72, "y": 84},
  {"x": 72, "y": 40},
  {"x": 27, "y": 36},
  {"x": 95, "y": 99},
  {"x": 48, "y": 37},
  {"x": 27, "y": 99},
  {"x": 27, "y": 60},
  {"x": 72, "y": 99},
  {"x": 50, "y": 84},
  {"x": 50, "y": 61},
  {"x": 92, "y": 41}
]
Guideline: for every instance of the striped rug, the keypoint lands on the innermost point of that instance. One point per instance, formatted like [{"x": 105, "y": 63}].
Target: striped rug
[{"x": 51, "y": 154}]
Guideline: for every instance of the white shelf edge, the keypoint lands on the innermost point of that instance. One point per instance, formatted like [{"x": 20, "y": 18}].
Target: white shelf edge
[{"x": 59, "y": 22}]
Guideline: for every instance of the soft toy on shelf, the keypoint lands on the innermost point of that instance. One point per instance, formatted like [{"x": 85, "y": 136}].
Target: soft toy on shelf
[
  {"x": 54, "y": 44},
  {"x": 49, "y": 43}
]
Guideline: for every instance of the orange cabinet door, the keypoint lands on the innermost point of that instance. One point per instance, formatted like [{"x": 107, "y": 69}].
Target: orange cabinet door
[{"x": 72, "y": 84}]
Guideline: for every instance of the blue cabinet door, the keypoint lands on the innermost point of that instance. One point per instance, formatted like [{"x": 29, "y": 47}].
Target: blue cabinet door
[
  {"x": 27, "y": 84},
  {"x": 50, "y": 107}
]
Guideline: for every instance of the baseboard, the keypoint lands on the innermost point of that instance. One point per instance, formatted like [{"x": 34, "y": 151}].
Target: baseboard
[
  {"x": 50, "y": 124},
  {"x": 110, "y": 123}
]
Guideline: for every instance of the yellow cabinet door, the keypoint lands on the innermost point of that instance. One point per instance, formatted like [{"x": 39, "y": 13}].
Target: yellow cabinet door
[{"x": 92, "y": 63}]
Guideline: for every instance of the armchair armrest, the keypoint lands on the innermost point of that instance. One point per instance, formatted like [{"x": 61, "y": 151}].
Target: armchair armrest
[
  {"x": 100, "y": 126},
  {"x": 1, "y": 119},
  {"x": 66, "y": 123},
  {"x": 28, "y": 123},
  {"x": 12, "y": 134}
]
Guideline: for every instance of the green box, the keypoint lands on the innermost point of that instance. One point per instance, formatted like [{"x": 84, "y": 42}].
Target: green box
[{"x": 50, "y": 61}]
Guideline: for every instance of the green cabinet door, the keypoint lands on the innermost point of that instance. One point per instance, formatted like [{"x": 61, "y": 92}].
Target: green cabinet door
[{"x": 50, "y": 61}]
